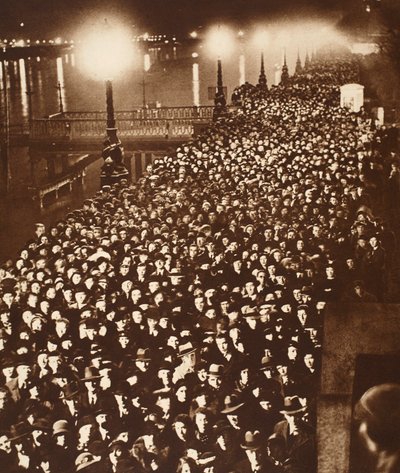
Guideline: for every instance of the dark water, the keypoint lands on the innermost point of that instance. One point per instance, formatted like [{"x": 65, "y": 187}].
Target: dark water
[{"x": 175, "y": 78}]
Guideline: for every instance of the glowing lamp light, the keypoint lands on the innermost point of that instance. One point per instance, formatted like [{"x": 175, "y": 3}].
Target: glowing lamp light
[
  {"x": 146, "y": 62},
  {"x": 193, "y": 34},
  {"x": 261, "y": 39},
  {"x": 220, "y": 41},
  {"x": 106, "y": 51},
  {"x": 194, "y": 55}
]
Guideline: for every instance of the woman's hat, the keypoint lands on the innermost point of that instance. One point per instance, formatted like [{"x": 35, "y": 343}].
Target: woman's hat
[
  {"x": 83, "y": 460},
  {"x": 60, "y": 427}
]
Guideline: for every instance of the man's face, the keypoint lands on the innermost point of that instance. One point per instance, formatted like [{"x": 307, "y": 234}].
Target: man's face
[
  {"x": 250, "y": 288},
  {"x": 201, "y": 421},
  {"x": 180, "y": 429},
  {"x": 292, "y": 353},
  {"x": 54, "y": 363},
  {"x": 233, "y": 420},
  {"x": 222, "y": 344},
  {"x": 199, "y": 303},
  {"x": 214, "y": 381},
  {"x": 23, "y": 371},
  {"x": 5, "y": 444},
  {"x": 154, "y": 286},
  {"x": 8, "y": 298}
]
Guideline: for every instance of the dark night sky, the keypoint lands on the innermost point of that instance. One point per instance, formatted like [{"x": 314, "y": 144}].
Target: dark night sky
[{"x": 63, "y": 17}]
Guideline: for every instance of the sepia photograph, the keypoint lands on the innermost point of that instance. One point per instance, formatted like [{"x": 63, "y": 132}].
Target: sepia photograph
[{"x": 199, "y": 236}]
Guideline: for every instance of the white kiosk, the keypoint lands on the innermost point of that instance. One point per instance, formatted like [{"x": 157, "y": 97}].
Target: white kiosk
[{"x": 352, "y": 96}]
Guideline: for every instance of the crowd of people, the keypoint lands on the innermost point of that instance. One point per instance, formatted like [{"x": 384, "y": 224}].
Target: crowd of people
[{"x": 175, "y": 324}]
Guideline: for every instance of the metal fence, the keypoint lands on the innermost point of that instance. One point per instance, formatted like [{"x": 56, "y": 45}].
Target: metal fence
[
  {"x": 88, "y": 129},
  {"x": 140, "y": 124}
]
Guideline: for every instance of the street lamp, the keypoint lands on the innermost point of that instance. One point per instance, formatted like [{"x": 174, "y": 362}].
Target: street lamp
[
  {"x": 220, "y": 43},
  {"x": 106, "y": 52}
]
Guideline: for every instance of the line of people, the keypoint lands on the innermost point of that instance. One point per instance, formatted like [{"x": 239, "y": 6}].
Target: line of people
[{"x": 175, "y": 324}]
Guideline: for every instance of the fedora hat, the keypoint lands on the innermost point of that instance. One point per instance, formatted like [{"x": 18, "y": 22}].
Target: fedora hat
[
  {"x": 41, "y": 424},
  {"x": 104, "y": 407},
  {"x": 19, "y": 430},
  {"x": 220, "y": 427},
  {"x": 176, "y": 273},
  {"x": 83, "y": 460},
  {"x": 292, "y": 405},
  {"x": 216, "y": 370},
  {"x": 143, "y": 354},
  {"x": 70, "y": 390},
  {"x": 186, "y": 348},
  {"x": 252, "y": 440},
  {"x": 231, "y": 404},
  {"x": 7, "y": 362},
  {"x": 91, "y": 374},
  {"x": 206, "y": 459}
]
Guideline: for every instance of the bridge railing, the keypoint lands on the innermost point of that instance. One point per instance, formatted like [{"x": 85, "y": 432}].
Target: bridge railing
[
  {"x": 141, "y": 124},
  {"x": 159, "y": 113},
  {"x": 87, "y": 129}
]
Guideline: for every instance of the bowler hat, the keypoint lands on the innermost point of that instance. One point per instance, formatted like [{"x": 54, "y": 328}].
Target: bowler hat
[
  {"x": 252, "y": 440},
  {"x": 292, "y": 405},
  {"x": 267, "y": 363}
]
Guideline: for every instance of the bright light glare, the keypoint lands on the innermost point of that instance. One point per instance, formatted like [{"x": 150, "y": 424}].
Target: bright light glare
[
  {"x": 146, "y": 62},
  {"x": 193, "y": 34},
  {"x": 220, "y": 41},
  {"x": 261, "y": 39},
  {"x": 106, "y": 51}
]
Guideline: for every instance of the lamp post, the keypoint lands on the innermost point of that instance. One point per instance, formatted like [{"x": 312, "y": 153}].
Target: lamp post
[
  {"x": 105, "y": 53},
  {"x": 219, "y": 99},
  {"x": 220, "y": 42},
  {"x": 260, "y": 40},
  {"x": 5, "y": 136}
]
